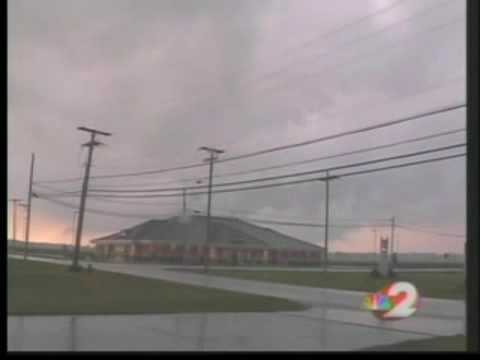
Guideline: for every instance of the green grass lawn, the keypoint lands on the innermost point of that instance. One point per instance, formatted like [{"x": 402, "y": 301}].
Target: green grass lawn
[
  {"x": 444, "y": 285},
  {"x": 441, "y": 343},
  {"x": 37, "y": 288}
]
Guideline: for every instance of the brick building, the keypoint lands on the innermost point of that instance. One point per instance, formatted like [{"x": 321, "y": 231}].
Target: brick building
[{"x": 182, "y": 240}]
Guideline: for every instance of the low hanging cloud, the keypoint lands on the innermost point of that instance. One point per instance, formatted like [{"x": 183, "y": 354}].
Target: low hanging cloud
[{"x": 166, "y": 77}]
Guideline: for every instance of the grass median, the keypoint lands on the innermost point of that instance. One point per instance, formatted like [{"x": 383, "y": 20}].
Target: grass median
[
  {"x": 443, "y": 285},
  {"x": 37, "y": 288}
]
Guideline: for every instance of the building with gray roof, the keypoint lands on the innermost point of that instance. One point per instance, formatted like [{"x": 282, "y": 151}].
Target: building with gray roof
[{"x": 182, "y": 240}]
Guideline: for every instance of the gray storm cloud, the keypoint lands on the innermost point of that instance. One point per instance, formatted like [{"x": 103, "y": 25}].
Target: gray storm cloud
[{"x": 166, "y": 77}]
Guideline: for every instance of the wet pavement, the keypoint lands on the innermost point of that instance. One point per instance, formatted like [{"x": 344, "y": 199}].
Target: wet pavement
[
  {"x": 229, "y": 331},
  {"x": 334, "y": 322}
]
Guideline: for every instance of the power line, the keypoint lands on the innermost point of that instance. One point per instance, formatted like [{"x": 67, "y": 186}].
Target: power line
[
  {"x": 217, "y": 213},
  {"x": 414, "y": 229},
  {"x": 430, "y": 87},
  {"x": 149, "y": 172},
  {"x": 347, "y": 133},
  {"x": 374, "y": 53},
  {"x": 349, "y": 43},
  {"x": 355, "y": 152},
  {"x": 239, "y": 213},
  {"x": 291, "y": 182},
  {"x": 308, "y": 224},
  {"x": 277, "y": 177},
  {"x": 284, "y": 147},
  {"x": 42, "y": 186},
  {"x": 302, "y": 162},
  {"x": 345, "y": 26},
  {"x": 256, "y": 79},
  {"x": 256, "y": 220},
  {"x": 58, "y": 193},
  {"x": 289, "y": 164},
  {"x": 103, "y": 212},
  {"x": 136, "y": 203},
  {"x": 159, "y": 171},
  {"x": 361, "y": 107}
]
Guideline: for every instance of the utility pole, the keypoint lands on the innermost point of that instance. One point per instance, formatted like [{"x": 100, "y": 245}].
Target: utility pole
[
  {"x": 29, "y": 207},
  {"x": 91, "y": 144},
  {"x": 14, "y": 201},
  {"x": 24, "y": 206},
  {"x": 375, "y": 243},
  {"x": 392, "y": 233},
  {"x": 327, "y": 179},
  {"x": 184, "y": 199},
  {"x": 213, "y": 156},
  {"x": 75, "y": 213}
]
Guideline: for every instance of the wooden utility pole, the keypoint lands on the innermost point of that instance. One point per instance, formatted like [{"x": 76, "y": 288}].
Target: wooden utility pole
[
  {"x": 75, "y": 213},
  {"x": 392, "y": 234},
  {"x": 91, "y": 144},
  {"x": 327, "y": 179},
  {"x": 24, "y": 206},
  {"x": 213, "y": 156},
  {"x": 14, "y": 201},
  {"x": 184, "y": 202},
  {"x": 29, "y": 208}
]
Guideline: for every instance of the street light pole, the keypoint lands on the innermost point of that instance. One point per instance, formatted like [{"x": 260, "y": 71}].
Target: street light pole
[
  {"x": 213, "y": 156},
  {"x": 91, "y": 144}
]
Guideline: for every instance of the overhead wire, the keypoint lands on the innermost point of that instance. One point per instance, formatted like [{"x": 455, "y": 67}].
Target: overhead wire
[
  {"x": 347, "y": 133},
  {"x": 285, "y": 147},
  {"x": 277, "y": 177},
  {"x": 291, "y": 182},
  {"x": 328, "y": 34},
  {"x": 374, "y": 53},
  {"x": 270, "y": 178},
  {"x": 256, "y": 80},
  {"x": 415, "y": 229},
  {"x": 308, "y": 224},
  {"x": 359, "y": 151},
  {"x": 255, "y": 220},
  {"x": 103, "y": 212},
  {"x": 300, "y": 162},
  {"x": 174, "y": 168},
  {"x": 357, "y": 40}
]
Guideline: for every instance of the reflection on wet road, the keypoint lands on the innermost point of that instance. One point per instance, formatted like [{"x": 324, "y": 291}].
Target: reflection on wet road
[
  {"x": 232, "y": 331},
  {"x": 334, "y": 322}
]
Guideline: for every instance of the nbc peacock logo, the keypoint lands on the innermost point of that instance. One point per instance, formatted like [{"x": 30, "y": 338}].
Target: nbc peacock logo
[{"x": 398, "y": 300}]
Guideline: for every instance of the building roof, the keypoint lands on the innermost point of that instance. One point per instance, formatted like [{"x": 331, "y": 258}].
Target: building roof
[{"x": 225, "y": 230}]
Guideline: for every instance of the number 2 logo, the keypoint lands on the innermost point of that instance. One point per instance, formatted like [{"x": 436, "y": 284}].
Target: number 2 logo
[{"x": 405, "y": 299}]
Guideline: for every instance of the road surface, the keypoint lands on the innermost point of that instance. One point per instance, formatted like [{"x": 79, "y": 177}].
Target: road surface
[{"x": 335, "y": 321}]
